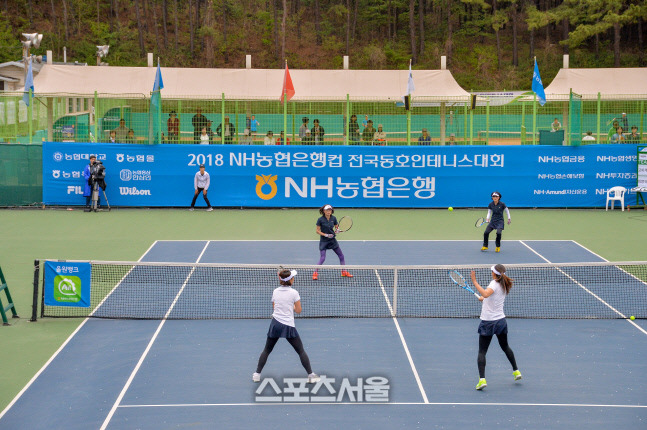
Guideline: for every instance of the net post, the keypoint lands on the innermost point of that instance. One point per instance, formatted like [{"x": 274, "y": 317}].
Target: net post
[
  {"x": 34, "y": 304},
  {"x": 395, "y": 292}
]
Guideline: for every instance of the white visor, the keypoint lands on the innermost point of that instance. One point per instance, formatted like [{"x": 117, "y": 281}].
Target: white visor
[
  {"x": 293, "y": 273},
  {"x": 496, "y": 272},
  {"x": 327, "y": 207}
]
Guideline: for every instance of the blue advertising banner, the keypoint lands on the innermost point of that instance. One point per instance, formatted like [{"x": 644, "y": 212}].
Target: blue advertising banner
[
  {"x": 67, "y": 284},
  {"x": 346, "y": 176}
]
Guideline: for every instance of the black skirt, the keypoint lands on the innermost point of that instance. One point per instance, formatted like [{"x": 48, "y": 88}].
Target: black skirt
[
  {"x": 278, "y": 329},
  {"x": 490, "y": 328},
  {"x": 328, "y": 244}
]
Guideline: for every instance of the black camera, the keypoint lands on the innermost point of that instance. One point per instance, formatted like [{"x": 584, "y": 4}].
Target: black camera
[{"x": 98, "y": 174}]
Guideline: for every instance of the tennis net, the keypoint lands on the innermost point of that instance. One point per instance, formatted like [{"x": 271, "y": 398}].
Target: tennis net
[{"x": 136, "y": 290}]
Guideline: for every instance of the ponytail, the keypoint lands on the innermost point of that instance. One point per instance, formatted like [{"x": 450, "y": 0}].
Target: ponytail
[{"x": 503, "y": 279}]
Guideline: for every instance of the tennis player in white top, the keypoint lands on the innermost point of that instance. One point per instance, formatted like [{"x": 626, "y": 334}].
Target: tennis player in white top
[
  {"x": 285, "y": 301},
  {"x": 493, "y": 320}
]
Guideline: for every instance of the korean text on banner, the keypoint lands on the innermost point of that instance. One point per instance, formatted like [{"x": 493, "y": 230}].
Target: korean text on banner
[{"x": 67, "y": 284}]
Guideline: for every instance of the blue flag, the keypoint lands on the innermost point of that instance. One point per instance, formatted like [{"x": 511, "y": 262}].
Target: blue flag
[
  {"x": 537, "y": 86},
  {"x": 29, "y": 85},
  {"x": 155, "y": 111},
  {"x": 159, "y": 83}
]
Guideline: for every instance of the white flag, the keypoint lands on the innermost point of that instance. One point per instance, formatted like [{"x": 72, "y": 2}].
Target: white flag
[{"x": 410, "y": 87}]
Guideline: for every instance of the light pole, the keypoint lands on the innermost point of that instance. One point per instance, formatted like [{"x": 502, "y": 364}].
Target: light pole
[
  {"x": 102, "y": 51},
  {"x": 31, "y": 40}
]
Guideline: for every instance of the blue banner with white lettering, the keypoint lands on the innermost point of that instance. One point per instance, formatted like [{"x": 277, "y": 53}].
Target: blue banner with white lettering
[
  {"x": 347, "y": 176},
  {"x": 67, "y": 284}
]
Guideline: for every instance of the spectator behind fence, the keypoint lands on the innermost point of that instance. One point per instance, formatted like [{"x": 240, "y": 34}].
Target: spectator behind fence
[
  {"x": 634, "y": 137},
  {"x": 369, "y": 132},
  {"x": 304, "y": 127},
  {"x": 556, "y": 125},
  {"x": 212, "y": 136},
  {"x": 308, "y": 139},
  {"x": 366, "y": 121},
  {"x": 173, "y": 127},
  {"x": 425, "y": 139},
  {"x": 131, "y": 137},
  {"x": 380, "y": 136},
  {"x": 269, "y": 138},
  {"x": 112, "y": 137},
  {"x": 227, "y": 130},
  {"x": 589, "y": 137},
  {"x": 317, "y": 132},
  {"x": 246, "y": 139},
  {"x": 253, "y": 126},
  {"x": 204, "y": 137},
  {"x": 624, "y": 122},
  {"x": 613, "y": 129},
  {"x": 619, "y": 136},
  {"x": 353, "y": 130},
  {"x": 121, "y": 131},
  {"x": 282, "y": 140},
  {"x": 199, "y": 122}
]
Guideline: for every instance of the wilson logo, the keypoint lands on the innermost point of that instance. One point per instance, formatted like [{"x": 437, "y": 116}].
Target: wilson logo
[{"x": 133, "y": 191}]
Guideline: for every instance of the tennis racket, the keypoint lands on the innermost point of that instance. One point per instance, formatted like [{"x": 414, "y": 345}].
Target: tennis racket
[
  {"x": 461, "y": 282},
  {"x": 479, "y": 222},
  {"x": 345, "y": 224}
]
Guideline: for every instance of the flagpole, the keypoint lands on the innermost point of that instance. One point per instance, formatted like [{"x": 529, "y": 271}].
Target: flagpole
[
  {"x": 285, "y": 110},
  {"x": 30, "y": 111},
  {"x": 159, "y": 109}
]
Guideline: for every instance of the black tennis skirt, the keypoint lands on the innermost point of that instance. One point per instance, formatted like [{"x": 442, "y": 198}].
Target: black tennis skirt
[
  {"x": 278, "y": 329},
  {"x": 328, "y": 244},
  {"x": 490, "y": 328}
]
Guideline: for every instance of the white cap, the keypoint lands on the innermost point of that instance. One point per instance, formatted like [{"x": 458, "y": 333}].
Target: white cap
[
  {"x": 293, "y": 273},
  {"x": 327, "y": 207}
]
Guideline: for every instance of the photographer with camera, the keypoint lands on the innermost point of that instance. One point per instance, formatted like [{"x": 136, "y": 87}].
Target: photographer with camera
[{"x": 95, "y": 175}]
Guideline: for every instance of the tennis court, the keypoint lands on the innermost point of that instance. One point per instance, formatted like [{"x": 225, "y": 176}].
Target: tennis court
[{"x": 174, "y": 373}]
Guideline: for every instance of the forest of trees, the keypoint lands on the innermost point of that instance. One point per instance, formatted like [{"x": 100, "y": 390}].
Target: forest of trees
[{"x": 489, "y": 44}]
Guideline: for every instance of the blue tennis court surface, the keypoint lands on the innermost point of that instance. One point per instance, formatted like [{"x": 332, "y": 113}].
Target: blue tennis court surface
[{"x": 158, "y": 374}]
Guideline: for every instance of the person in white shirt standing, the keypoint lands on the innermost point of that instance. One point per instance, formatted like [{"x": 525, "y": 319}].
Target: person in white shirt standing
[
  {"x": 285, "y": 301},
  {"x": 201, "y": 183},
  {"x": 493, "y": 320}
]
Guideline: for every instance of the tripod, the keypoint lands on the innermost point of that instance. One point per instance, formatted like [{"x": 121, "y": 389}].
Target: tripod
[{"x": 95, "y": 197}]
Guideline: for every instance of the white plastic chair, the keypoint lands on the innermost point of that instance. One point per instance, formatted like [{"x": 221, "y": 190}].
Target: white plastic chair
[{"x": 616, "y": 193}]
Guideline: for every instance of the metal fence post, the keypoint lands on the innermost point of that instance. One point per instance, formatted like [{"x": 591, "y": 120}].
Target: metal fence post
[
  {"x": 30, "y": 115},
  {"x": 96, "y": 116},
  {"x": 222, "y": 120},
  {"x": 534, "y": 118}
]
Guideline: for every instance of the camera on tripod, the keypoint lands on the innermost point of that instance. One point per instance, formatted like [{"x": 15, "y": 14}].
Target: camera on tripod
[{"x": 97, "y": 181}]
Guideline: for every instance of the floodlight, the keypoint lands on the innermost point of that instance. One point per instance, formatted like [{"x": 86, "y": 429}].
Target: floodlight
[
  {"x": 33, "y": 39},
  {"x": 102, "y": 50}
]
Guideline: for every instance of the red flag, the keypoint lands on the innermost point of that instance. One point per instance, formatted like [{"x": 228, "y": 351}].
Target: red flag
[{"x": 288, "y": 87}]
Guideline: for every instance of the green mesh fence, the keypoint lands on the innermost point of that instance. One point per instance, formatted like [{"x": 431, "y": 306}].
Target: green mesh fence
[
  {"x": 492, "y": 120},
  {"x": 21, "y": 179}
]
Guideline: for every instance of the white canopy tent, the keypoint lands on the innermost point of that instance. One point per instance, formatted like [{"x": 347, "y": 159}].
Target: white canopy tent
[
  {"x": 245, "y": 84},
  {"x": 611, "y": 83}
]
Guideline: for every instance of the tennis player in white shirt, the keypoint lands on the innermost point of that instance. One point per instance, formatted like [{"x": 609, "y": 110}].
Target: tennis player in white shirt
[
  {"x": 493, "y": 320},
  {"x": 285, "y": 301}
]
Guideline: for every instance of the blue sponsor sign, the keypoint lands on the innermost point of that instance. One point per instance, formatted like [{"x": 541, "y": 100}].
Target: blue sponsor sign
[
  {"x": 347, "y": 176},
  {"x": 67, "y": 284}
]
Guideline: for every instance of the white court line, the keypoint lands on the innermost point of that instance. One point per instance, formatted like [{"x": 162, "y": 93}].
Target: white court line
[
  {"x": 565, "y": 405},
  {"x": 590, "y": 292},
  {"x": 357, "y": 240},
  {"x": 588, "y": 250},
  {"x": 150, "y": 345},
  {"x": 404, "y": 342},
  {"x": 619, "y": 268},
  {"x": 42, "y": 369}
]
